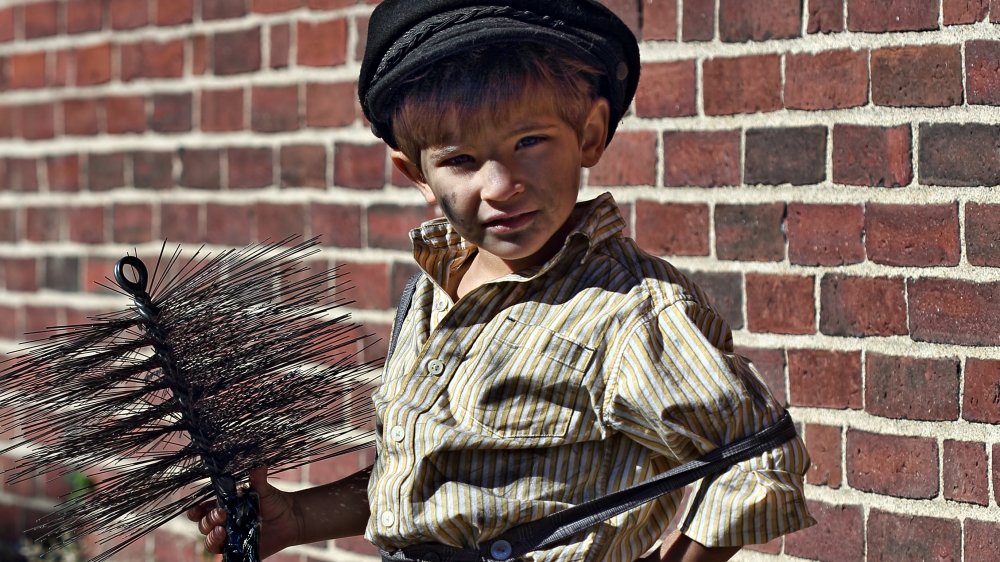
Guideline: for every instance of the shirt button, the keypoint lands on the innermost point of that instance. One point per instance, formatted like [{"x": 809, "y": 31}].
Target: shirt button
[
  {"x": 435, "y": 367},
  {"x": 397, "y": 433},
  {"x": 441, "y": 305},
  {"x": 387, "y": 518}
]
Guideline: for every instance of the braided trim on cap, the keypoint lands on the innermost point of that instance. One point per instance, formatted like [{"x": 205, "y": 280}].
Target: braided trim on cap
[{"x": 417, "y": 35}]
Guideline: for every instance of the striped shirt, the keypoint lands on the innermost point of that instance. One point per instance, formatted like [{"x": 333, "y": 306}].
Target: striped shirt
[{"x": 548, "y": 387}]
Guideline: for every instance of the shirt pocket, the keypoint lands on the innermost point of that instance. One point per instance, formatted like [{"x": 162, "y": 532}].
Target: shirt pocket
[{"x": 526, "y": 382}]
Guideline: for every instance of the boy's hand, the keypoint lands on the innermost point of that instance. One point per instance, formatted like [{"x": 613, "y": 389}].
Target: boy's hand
[{"x": 280, "y": 527}]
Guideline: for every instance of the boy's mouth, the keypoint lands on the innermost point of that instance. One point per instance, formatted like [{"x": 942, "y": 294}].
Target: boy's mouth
[{"x": 509, "y": 222}]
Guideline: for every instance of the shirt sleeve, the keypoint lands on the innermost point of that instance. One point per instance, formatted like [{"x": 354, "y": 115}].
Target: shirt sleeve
[{"x": 681, "y": 391}]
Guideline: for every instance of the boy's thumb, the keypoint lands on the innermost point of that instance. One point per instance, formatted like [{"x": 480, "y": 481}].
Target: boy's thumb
[{"x": 258, "y": 480}]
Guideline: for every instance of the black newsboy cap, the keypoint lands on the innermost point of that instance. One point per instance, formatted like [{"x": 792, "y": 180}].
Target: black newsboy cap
[{"x": 408, "y": 35}]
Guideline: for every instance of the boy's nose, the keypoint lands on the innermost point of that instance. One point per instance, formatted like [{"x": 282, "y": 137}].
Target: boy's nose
[{"x": 498, "y": 182}]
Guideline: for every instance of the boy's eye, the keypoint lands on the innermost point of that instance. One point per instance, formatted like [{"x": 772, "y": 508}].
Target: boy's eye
[
  {"x": 459, "y": 160},
  {"x": 529, "y": 141}
]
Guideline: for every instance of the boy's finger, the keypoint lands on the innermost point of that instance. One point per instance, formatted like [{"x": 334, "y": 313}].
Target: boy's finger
[
  {"x": 215, "y": 540},
  {"x": 213, "y": 520}
]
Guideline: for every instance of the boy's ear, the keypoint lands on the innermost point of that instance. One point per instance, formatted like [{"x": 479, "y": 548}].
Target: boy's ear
[
  {"x": 595, "y": 133},
  {"x": 412, "y": 171}
]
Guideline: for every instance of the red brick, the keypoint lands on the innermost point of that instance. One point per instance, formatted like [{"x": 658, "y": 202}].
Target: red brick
[
  {"x": 956, "y": 312},
  {"x": 229, "y": 225},
  {"x": 80, "y": 117},
  {"x": 172, "y": 113},
  {"x": 199, "y": 55},
  {"x": 770, "y": 363},
  {"x": 63, "y": 172},
  {"x": 153, "y": 170},
  {"x": 749, "y": 84},
  {"x": 698, "y": 20},
  {"x": 152, "y": 59},
  {"x": 996, "y": 472},
  {"x": 389, "y": 225},
  {"x": 780, "y": 304},
  {"x": 659, "y": 20},
  {"x": 982, "y": 70},
  {"x": 965, "y": 472},
  {"x": 964, "y": 11},
  {"x": 182, "y": 222},
  {"x": 959, "y": 154},
  {"x": 330, "y": 4},
  {"x": 129, "y": 14},
  {"x": 983, "y": 539},
  {"x": 627, "y": 11},
  {"x": 913, "y": 235},
  {"x": 38, "y": 319},
  {"x": 132, "y": 222},
  {"x": 250, "y": 167},
  {"x": 84, "y": 15},
  {"x": 322, "y": 43},
  {"x": 826, "y": 80},
  {"x": 330, "y": 105},
  {"x": 629, "y": 160},
  {"x": 667, "y": 89},
  {"x": 892, "y": 465},
  {"x": 277, "y": 221},
  {"x": 923, "y": 76},
  {"x": 8, "y": 226},
  {"x": 93, "y": 65},
  {"x": 359, "y": 166},
  {"x": 338, "y": 225},
  {"x": 750, "y": 232},
  {"x": 838, "y": 535},
  {"x": 905, "y": 538},
  {"x": 223, "y": 9},
  {"x": 274, "y": 6},
  {"x": 361, "y": 32},
  {"x": 274, "y": 109},
  {"x": 981, "y": 396},
  {"x": 701, "y": 158},
  {"x": 892, "y": 15},
  {"x": 62, "y": 274},
  {"x": 21, "y": 175},
  {"x": 281, "y": 38},
  {"x": 862, "y": 306},
  {"x": 825, "y": 234},
  {"x": 21, "y": 274},
  {"x": 373, "y": 293},
  {"x": 7, "y": 121},
  {"x": 173, "y": 12},
  {"x": 222, "y": 110},
  {"x": 982, "y": 234},
  {"x": 825, "y": 448},
  {"x": 61, "y": 65},
  {"x": 994, "y": 11},
  {"x": 236, "y": 52},
  {"x": 86, "y": 224},
  {"x": 6, "y": 24},
  {"x": 303, "y": 166},
  {"x": 826, "y": 16},
  {"x": 876, "y": 156},
  {"x": 36, "y": 121},
  {"x": 911, "y": 388},
  {"x": 125, "y": 114},
  {"x": 41, "y": 19},
  {"x": 794, "y": 155},
  {"x": 759, "y": 20},
  {"x": 725, "y": 292},
  {"x": 685, "y": 235},
  {"x": 200, "y": 168},
  {"x": 824, "y": 379},
  {"x": 27, "y": 70}
]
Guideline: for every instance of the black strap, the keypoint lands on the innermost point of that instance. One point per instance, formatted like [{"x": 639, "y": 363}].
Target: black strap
[
  {"x": 404, "y": 306},
  {"x": 558, "y": 526}
]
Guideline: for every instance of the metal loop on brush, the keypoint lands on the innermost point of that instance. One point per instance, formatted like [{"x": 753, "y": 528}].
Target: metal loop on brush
[{"x": 136, "y": 288}]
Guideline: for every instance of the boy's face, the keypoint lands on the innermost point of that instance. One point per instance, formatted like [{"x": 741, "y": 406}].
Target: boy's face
[{"x": 510, "y": 186}]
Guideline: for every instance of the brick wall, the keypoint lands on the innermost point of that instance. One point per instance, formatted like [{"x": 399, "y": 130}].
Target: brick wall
[{"x": 826, "y": 169}]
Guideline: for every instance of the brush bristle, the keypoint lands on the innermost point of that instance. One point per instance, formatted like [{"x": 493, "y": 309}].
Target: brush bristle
[{"x": 265, "y": 373}]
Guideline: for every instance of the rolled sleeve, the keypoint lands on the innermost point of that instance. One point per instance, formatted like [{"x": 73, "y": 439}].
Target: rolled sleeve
[{"x": 682, "y": 392}]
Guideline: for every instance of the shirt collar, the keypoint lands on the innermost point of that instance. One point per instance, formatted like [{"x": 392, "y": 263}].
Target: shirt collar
[{"x": 439, "y": 250}]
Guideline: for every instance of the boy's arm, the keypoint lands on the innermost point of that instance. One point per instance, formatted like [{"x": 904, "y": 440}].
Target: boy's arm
[
  {"x": 678, "y": 547},
  {"x": 334, "y": 510}
]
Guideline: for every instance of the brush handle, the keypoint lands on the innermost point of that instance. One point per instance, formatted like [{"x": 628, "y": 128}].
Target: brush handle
[{"x": 242, "y": 509}]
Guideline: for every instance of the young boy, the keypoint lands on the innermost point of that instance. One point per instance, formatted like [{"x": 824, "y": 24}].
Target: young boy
[{"x": 545, "y": 359}]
